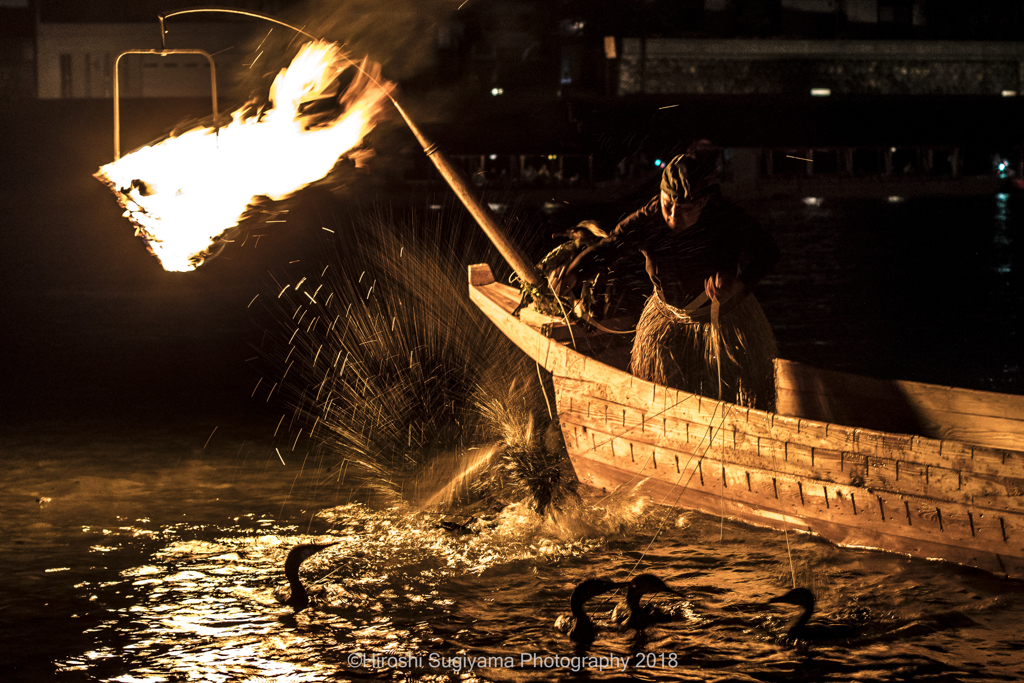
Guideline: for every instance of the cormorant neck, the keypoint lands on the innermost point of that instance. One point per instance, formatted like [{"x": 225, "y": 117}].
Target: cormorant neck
[
  {"x": 298, "y": 599},
  {"x": 800, "y": 621},
  {"x": 583, "y": 627},
  {"x": 576, "y": 607},
  {"x": 633, "y": 610},
  {"x": 299, "y": 595}
]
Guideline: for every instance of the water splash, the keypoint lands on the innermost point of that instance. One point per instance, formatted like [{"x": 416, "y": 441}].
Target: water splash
[{"x": 397, "y": 386}]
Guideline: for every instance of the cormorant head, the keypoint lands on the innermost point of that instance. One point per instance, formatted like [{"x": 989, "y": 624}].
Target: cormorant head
[
  {"x": 642, "y": 584},
  {"x": 798, "y": 596},
  {"x": 590, "y": 588}
]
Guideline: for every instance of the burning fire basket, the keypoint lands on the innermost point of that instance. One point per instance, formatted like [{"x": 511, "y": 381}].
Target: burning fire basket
[{"x": 188, "y": 258}]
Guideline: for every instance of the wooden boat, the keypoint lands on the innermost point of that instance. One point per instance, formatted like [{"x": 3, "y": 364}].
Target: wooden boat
[{"x": 929, "y": 471}]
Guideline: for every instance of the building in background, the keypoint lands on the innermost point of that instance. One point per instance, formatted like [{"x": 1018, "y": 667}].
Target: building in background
[
  {"x": 507, "y": 44},
  {"x": 795, "y": 91},
  {"x": 17, "y": 50},
  {"x": 565, "y": 47},
  {"x": 77, "y": 44},
  {"x": 915, "y": 88},
  {"x": 78, "y": 60}
]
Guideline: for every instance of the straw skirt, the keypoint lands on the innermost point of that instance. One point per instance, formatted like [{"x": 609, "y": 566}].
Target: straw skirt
[{"x": 731, "y": 361}]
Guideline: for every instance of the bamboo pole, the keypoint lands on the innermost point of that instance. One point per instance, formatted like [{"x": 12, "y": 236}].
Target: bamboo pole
[{"x": 481, "y": 213}]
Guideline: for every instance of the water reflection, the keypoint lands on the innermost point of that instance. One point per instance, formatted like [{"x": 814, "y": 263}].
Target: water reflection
[
  {"x": 1003, "y": 238},
  {"x": 206, "y": 609}
]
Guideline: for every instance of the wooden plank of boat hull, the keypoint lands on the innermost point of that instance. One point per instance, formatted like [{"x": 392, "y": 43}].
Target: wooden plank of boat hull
[
  {"x": 891, "y": 475},
  {"x": 836, "y": 521},
  {"x": 592, "y": 438},
  {"x": 986, "y": 418},
  {"x": 995, "y": 432},
  {"x": 863, "y": 442},
  {"x": 493, "y": 300},
  {"x": 971, "y": 524},
  {"x": 801, "y": 378},
  {"x": 585, "y": 404},
  {"x": 805, "y": 380},
  {"x": 791, "y": 429}
]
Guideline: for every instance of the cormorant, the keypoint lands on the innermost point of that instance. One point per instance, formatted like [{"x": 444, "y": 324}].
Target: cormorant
[
  {"x": 798, "y": 628},
  {"x": 630, "y": 614},
  {"x": 802, "y": 597},
  {"x": 579, "y": 626},
  {"x": 299, "y": 599}
]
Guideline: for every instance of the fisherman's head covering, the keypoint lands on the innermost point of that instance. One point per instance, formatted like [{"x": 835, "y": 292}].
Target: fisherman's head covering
[{"x": 690, "y": 176}]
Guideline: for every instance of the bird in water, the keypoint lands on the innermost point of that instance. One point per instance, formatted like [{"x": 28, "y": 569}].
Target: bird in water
[
  {"x": 630, "y": 613},
  {"x": 799, "y": 629},
  {"x": 802, "y": 597},
  {"x": 579, "y": 625},
  {"x": 299, "y": 599}
]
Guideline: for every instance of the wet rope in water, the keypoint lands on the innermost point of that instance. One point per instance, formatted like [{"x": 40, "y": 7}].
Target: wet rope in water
[{"x": 540, "y": 378}]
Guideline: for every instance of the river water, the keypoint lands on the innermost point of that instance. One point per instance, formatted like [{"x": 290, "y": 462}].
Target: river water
[{"x": 143, "y": 549}]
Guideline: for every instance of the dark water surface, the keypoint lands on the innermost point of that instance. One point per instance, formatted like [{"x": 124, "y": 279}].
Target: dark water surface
[
  {"x": 145, "y": 509},
  {"x": 145, "y": 559}
]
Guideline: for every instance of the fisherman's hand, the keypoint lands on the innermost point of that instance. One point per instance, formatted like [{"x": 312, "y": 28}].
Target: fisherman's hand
[{"x": 718, "y": 285}]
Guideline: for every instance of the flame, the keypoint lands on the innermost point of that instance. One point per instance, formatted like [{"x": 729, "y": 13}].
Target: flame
[{"x": 185, "y": 192}]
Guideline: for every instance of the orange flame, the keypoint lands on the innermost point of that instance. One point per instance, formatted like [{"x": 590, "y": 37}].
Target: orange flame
[{"x": 185, "y": 192}]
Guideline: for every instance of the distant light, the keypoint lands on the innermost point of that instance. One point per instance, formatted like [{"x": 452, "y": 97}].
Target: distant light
[
  {"x": 493, "y": 157},
  {"x": 609, "y": 47},
  {"x": 496, "y": 208},
  {"x": 1003, "y": 165},
  {"x": 572, "y": 27},
  {"x": 497, "y": 91},
  {"x": 436, "y": 207},
  {"x": 552, "y": 157},
  {"x": 892, "y": 149},
  {"x": 1009, "y": 93},
  {"x": 658, "y": 163},
  {"x": 813, "y": 201},
  {"x": 821, "y": 92},
  {"x": 1002, "y": 196},
  {"x": 894, "y": 199}
]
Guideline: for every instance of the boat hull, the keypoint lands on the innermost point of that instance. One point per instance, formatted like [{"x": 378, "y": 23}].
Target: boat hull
[{"x": 856, "y": 487}]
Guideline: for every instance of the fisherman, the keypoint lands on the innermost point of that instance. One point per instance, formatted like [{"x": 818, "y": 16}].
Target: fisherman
[{"x": 701, "y": 329}]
